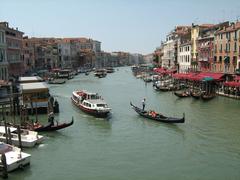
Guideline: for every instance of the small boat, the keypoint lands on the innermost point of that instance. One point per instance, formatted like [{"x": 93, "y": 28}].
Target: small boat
[
  {"x": 100, "y": 73},
  {"x": 110, "y": 69},
  {"x": 51, "y": 127},
  {"x": 182, "y": 94},
  {"x": 14, "y": 157},
  {"x": 157, "y": 116},
  {"x": 56, "y": 81},
  {"x": 28, "y": 138},
  {"x": 90, "y": 103},
  {"x": 207, "y": 97},
  {"x": 195, "y": 94}
]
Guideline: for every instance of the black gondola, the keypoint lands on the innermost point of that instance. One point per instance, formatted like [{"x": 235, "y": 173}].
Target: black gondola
[
  {"x": 207, "y": 97},
  {"x": 52, "y": 127},
  {"x": 157, "y": 116},
  {"x": 182, "y": 94},
  {"x": 196, "y": 95}
]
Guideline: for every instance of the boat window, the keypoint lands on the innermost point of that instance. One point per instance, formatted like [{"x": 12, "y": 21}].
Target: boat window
[{"x": 101, "y": 105}]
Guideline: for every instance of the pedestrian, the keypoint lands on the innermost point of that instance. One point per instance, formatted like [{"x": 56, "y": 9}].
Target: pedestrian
[{"x": 143, "y": 104}]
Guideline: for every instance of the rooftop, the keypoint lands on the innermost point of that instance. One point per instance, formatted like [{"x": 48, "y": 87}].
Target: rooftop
[
  {"x": 33, "y": 86},
  {"x": 30, "y": 78}
]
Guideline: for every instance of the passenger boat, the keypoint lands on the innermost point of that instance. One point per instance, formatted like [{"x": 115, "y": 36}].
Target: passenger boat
[
  {"x": 51, "y": 127},
  {"x": 14, "y": 157},
  {"x": 56, "y": 81},
  {"x": 157, "y": 116},
  {"x": 90, "y": 103},
  {"x": 28, "y": 138},
  {"x": 100, "y": 73},
  {"x": 110, "y": 69},
  {"x": 182, "y": 94}
]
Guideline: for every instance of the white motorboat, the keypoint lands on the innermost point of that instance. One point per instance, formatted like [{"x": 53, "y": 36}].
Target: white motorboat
[
  {"x": 14, "y": 157},
  {"x": 90, "y": 103},
  {"x": 28, "y": 138}
]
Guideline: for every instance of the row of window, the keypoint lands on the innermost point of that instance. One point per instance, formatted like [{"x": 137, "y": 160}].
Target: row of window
[
  {"x": 228, "y": 35},
  {"x": 184, "y": 59},
  {"x": 2, "y": 37},
  {"x": 2, "y": 55},
  {"x": 182, "y": 49},
  {"x": 3, "y": 73},
  {"x": 227, "y": 60},
  {"x": 87, "y": 104},
  {"x": 228, "y": 47}
]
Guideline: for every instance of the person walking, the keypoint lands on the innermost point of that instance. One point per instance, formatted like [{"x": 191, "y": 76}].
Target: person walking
[{"x": 143, "y": 103}]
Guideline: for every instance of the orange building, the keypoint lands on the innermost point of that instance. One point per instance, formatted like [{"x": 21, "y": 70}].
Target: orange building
[{"x": 226, "y": 49}]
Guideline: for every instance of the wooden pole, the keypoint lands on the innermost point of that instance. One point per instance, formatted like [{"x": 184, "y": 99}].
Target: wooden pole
[
  {"x": 36, "y": 111},
  {"x": 19, "y": 136},
  {"x": 9, "y": 137},
  {"x": 4, "y": 164},
  {"x": 5, "y": 125}
]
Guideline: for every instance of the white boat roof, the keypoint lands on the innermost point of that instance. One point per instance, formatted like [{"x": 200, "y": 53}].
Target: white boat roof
[
  {"x": 33, "y": 86},
  {"x": 2, "y": 129},
  {"x": 30, "y": 78},
  {"x": 96, "y": 101},
  {"x": 86, "y": 92}
]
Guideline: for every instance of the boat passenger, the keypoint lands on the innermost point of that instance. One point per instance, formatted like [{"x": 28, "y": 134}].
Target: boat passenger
[
  {"x": 51, "y": 118},
  {"x": 143, "y": 103}
]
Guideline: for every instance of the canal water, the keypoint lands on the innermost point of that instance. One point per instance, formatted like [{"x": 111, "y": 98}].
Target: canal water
[{"x": 126, "y": 146}]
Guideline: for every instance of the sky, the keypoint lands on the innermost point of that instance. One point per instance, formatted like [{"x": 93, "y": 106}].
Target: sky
[{"x": 136, "y": 26}]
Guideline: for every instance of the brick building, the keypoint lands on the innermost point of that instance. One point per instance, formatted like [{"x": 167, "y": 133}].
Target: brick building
[
  {"x": 14, "y": 39},
  {"x": 226, "y": 49},
  {"x": 3, "y": 58}
]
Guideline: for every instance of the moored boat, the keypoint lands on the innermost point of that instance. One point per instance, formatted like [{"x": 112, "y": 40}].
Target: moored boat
[
  {"x": 195, "y": 94},
  {"x": 28, "y": 138},
  {"x": 14, "y": 157},
  {"x": 157, "y": 116},
  {"x": 207, "y": 97},
  {"x": 182, "y": 94},
  {"x": 90, "y": 103},
  {"x": 100, "y": 73}
]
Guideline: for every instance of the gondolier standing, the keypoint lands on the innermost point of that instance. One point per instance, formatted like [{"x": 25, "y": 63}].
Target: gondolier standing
[{"x": 143, "y": 104}]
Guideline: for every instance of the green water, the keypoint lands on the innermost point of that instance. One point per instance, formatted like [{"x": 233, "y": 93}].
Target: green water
[{"x": 127, "y": 146}]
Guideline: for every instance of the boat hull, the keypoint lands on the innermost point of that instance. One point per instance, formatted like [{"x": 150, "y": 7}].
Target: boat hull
[
  {"x": 14, "y": 163},
  {"x": 93, "y": 112},
  {"x": 160, "y": 118}
]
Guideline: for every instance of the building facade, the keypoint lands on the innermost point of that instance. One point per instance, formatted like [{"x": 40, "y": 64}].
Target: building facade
[
  {"x": 3, "y": 58},
  {"x": 185, "y": 57},
  {"x": 168, "y": 57},
  {"x": 14, "y": 39},
  {"x": 226, "y": 48}
]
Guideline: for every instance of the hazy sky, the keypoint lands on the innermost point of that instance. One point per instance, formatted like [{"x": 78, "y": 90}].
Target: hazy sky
[{"x": 136, "y": 26}]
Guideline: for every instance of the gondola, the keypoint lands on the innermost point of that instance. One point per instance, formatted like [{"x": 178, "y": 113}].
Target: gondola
[
  {"x": 181, "y": 94},
  {"x": 196, "y": 95},
  {"x": 157, "y": 116},
  {"x": 207, "y": 97},
  {"x": 50, "y": 127}
]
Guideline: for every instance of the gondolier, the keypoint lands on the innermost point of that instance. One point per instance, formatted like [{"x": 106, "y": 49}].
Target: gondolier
[{"x": 143, "y": 104}]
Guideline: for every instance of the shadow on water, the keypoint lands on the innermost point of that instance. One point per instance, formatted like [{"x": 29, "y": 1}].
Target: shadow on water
[{"x": 172, "y": 127}]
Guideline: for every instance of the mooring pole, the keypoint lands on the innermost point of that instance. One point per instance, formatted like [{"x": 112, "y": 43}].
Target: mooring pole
[
  {"x": 4, "y": 164},
  {"x": 19, "y": 136}
]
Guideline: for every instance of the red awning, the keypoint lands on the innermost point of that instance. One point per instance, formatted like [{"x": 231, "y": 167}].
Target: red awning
[
  {"x": 232, "y": 84},
  {"x": 202, "y": 75},
  {"x": 182, "y": 75},
  {"x": 164, "y": 71}
]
